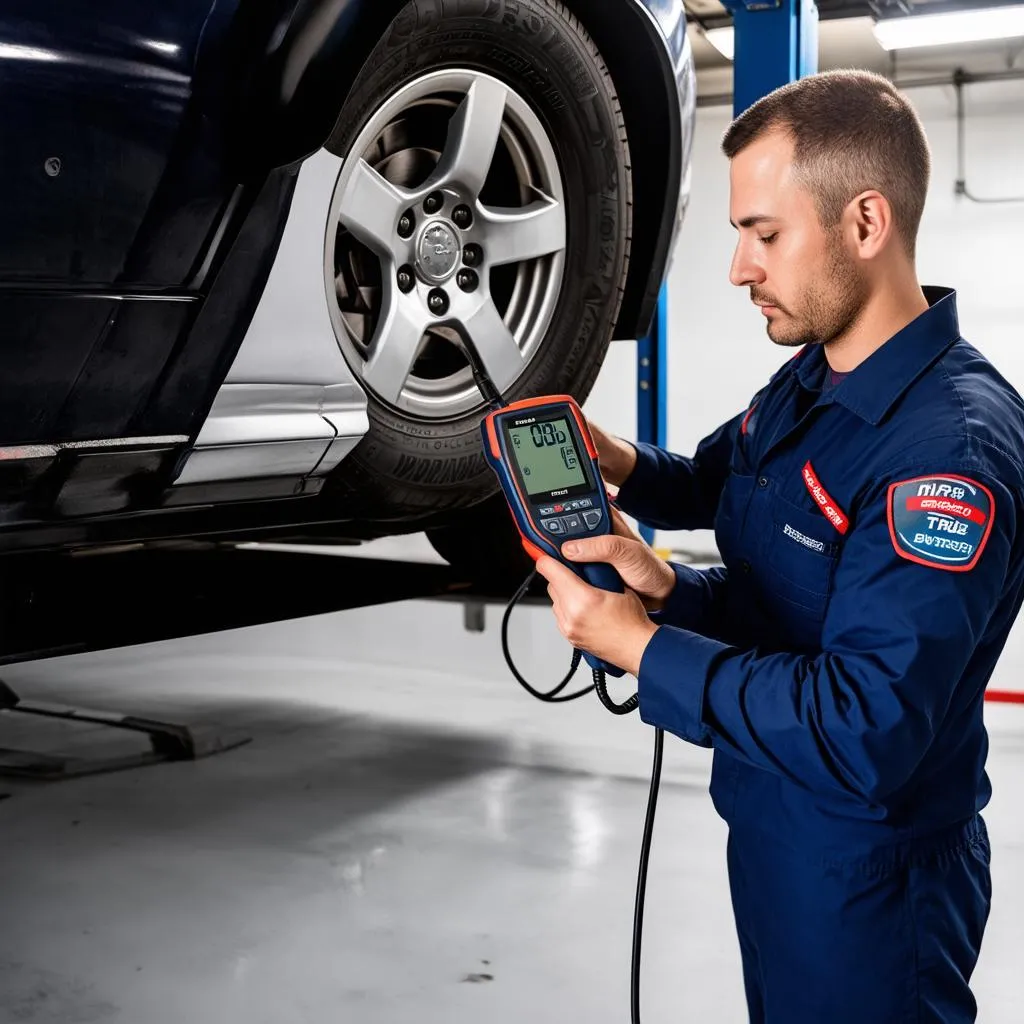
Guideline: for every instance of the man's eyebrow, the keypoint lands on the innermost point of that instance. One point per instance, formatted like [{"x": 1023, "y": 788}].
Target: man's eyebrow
[{"x": 753, "y": 220}]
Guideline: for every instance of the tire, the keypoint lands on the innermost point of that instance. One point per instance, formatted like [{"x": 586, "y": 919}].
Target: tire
[
  {"x": 413, "y": 463},
  {"x": 484, "y": 545}
]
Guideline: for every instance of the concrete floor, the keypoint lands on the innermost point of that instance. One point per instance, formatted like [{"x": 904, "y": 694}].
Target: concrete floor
[{"x": 408, "y": 837}]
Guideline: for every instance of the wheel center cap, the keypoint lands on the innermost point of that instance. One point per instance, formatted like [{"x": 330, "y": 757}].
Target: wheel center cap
[{"x": 438, "y": 251}]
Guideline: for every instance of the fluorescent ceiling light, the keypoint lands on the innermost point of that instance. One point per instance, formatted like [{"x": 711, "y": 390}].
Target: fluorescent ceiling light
[
  {"x": 723, "y": 40},
  {"x": 970, "y": 26}
]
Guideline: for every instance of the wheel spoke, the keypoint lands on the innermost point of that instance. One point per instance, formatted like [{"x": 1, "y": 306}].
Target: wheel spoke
[
  {"x": 473, "y": 137},
  {"x": 525, "y": 233},
  {"x": 370, "y": 208},
  {"x": 394, "y": 348},
  {"x": 495, "y": 345}
]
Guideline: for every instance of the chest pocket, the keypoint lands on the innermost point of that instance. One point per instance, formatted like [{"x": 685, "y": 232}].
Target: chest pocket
[{"x": 802, "y": 550}]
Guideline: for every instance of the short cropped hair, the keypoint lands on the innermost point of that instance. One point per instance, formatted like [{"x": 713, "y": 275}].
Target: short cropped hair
[{"x": 852, "y": 131}]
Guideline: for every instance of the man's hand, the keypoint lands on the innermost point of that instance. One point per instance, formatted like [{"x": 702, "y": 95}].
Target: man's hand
[
  {"x": 632, "y": 558},
  {"x": 617, "y": 458},
  {"x": 614, "y": 627}
]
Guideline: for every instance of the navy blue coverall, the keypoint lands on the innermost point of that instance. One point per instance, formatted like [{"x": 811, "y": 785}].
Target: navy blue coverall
[{"x": 873, "y": 548}]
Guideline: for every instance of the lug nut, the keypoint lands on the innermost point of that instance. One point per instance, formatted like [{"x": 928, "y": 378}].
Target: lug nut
[
  {"x": 437, "y": 301},
  {"x": 463, "y": 216},
  {"x": 406, "y": 280},
  {"x": 407, "y": 224},
  {"x": 467, "y": 280},
  {"x": 433, "y": 202},
  {"x": 472, "y": 255}
]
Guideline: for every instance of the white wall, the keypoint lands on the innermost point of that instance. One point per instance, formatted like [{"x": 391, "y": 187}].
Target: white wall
[{"x": 719, "y": 351}]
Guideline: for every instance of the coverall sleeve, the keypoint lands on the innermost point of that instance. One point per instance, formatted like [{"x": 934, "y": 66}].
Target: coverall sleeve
[
  {"x": 673, "y": 492},
  {"x": 859, "y": 716},
  {"x": 696, "y": 602}
]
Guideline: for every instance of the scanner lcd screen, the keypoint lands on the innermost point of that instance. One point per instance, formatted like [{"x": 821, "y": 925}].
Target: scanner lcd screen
[{"x": 547, "y": 456}]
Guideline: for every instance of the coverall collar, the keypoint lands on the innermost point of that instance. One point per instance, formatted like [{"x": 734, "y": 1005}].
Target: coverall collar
[{"x": 872, "y": 389}]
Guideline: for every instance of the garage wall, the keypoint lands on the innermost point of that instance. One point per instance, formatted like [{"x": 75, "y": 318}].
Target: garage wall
[{"x": 719, "y": 352}]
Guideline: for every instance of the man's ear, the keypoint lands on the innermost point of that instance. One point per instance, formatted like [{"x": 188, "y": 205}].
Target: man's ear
[{"x": 869, "y": 224}]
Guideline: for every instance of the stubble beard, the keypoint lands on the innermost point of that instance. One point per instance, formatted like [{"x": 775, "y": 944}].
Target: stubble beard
[{"x": 832, "y": 305}]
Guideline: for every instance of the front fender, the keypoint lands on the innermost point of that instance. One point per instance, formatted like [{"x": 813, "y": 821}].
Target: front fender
[{"x": 311, "y": 55}]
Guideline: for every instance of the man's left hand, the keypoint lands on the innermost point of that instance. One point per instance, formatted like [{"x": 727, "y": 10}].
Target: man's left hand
[{"x": 614, "y": 627}]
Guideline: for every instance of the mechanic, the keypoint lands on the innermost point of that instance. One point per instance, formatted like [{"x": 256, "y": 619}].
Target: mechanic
[{"x": 866, "y": 505}]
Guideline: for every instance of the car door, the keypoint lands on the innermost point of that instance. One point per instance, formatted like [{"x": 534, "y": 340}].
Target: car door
[{"x": 93, "y": 97}]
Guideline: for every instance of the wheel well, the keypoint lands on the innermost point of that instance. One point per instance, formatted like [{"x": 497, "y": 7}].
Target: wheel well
[
  {"x": 314, "y": 55},
  {"x": 322, "y": 46}
]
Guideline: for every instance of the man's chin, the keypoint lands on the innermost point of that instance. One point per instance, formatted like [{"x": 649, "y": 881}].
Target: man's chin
[{"x": 782, "y": 339}]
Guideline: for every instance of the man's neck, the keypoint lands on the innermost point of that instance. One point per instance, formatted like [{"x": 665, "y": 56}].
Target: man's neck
[{"x": 886, "y": 313}]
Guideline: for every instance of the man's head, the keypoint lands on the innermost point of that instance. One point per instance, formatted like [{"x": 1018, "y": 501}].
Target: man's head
[{"x": 829, "y": 178}]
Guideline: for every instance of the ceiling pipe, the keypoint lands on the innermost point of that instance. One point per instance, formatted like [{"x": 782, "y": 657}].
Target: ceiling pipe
[{"x": 962, "y": 77}]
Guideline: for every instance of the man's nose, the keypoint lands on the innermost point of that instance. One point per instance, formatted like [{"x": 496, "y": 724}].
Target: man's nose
[{"x": 745, "y": 271}]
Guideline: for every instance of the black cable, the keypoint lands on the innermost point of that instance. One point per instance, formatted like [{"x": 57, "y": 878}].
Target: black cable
[
  {"x": 554, "y": 696},
  {"x": 600, "y": 687},
  {"x": 641, "y": 877}
]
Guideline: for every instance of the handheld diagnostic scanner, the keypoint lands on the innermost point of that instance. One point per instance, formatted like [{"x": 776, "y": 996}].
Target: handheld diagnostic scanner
[{"x": 546, "y": 460}]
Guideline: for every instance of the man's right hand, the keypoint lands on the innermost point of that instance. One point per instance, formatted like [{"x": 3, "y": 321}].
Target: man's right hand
[{"x": 617, "y": 458}]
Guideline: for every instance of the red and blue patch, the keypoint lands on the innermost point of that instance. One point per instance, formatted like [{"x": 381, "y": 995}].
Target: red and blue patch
[{"x": 941, "y": 521}]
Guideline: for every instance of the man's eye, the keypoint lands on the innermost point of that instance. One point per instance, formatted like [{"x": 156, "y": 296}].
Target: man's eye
[{"x": 768, "y": 239}]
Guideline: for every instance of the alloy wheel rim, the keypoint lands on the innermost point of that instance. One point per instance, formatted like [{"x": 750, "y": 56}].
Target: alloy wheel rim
[{"x": 447, "y": 227}]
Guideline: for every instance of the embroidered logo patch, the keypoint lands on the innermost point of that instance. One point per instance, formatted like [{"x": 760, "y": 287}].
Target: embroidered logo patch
[
  {"x": 802, "y": 538},
  {"x": 942, "y": 521},
  {"x": 833, "y": 513}
]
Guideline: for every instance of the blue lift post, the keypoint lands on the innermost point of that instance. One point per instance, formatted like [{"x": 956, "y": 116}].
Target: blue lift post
[
  {"x": 776, "y": 42},
  {"x": 652, "y": 385}
]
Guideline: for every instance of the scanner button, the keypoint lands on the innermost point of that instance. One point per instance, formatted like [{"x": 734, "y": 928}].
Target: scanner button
[
  {"x": 592, "y": 519},
  {"x": 553, "y": 525},
  {"x": 571, "y": 523}
]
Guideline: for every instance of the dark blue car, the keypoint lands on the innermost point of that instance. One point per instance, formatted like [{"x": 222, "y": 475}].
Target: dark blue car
[{"x": 244, "y": 244}]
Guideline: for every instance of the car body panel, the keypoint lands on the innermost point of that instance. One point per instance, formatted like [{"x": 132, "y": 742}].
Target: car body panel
[
  {"x": 291, "y": 340},
  {"x": 168, "y": 342}
]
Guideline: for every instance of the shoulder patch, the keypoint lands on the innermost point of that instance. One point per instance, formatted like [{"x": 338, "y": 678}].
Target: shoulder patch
[{"x": 941, "y": 521}]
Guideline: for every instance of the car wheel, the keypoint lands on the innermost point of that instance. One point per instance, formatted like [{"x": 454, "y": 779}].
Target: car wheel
[{"x": 484, "y": 201}]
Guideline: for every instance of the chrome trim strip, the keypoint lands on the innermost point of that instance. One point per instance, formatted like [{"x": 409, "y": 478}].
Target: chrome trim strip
[
  {"x": 15, "y": 453},
  {"x": 166, "y": 441},
  {"x": 50, "y": 291}
]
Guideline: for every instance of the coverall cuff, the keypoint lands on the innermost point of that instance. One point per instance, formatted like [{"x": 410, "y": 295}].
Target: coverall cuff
[
  {"x": 642, "y": 481},
  {"x": 673, "y": 676},
  {"x": 687, "y": 604}
]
